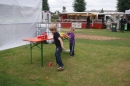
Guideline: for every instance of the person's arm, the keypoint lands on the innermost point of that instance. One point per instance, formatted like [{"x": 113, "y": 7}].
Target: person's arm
[
  {"x": 61, "y": 42},
  {"x": 67, "y": 35}
]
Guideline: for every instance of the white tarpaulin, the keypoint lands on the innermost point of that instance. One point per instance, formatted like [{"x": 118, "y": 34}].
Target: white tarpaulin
[
  {"x": 127, "y": 12},
  {"x": 18, "y": 20}
]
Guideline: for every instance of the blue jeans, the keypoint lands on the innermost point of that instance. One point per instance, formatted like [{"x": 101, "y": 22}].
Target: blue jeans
[
  {"x": 57, "y": 55},
  {"x": 72, "y": 49}
]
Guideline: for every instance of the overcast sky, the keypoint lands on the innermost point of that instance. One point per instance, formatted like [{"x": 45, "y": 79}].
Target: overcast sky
[{"x": 91, "y": 5}]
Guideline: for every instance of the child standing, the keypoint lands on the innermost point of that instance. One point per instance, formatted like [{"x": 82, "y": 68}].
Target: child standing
[
  {"x": 59, "y": 46},
  {"x": 71, "y": 36}
]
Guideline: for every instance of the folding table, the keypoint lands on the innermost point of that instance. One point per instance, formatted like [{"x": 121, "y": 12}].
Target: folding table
[{"x": 35, "y": 42}]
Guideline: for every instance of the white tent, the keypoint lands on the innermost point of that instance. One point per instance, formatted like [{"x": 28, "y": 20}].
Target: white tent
[
  {"x": 18, "y": 19},
  {"x": 127, "y": 12}
]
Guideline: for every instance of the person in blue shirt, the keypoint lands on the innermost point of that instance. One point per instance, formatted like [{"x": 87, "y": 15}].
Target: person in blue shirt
[{"x": 71, "y": 36}]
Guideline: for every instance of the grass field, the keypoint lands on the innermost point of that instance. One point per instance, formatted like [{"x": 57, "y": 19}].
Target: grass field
[{"x": 96, "y": 63}]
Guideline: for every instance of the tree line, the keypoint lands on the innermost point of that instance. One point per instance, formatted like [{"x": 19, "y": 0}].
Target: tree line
[{"x": 80, "y": 5}]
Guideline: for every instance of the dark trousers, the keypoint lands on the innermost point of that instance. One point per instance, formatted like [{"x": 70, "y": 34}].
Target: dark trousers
[
  {"x": 88, "y": 24},
  {"x": 72, "y": 49},
  {"x": 57, "y": 55},
  {"x": 122, "y": 28}
]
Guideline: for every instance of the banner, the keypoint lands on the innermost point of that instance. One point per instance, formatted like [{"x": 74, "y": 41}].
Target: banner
[{"x": 76, "y": 25}]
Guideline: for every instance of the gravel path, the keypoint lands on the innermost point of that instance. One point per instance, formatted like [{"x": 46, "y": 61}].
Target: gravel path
[{"x": 80, "y": 36}]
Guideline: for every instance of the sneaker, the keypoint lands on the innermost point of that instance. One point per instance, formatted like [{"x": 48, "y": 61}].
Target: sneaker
[
  {"x": 70, "y": 56},
  {"x": 60, "y": 68}
]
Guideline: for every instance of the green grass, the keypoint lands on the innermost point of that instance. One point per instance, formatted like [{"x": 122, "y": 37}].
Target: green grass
[
  {"x": 101, "y": 32},
  {"x": 96, "y": 63}
]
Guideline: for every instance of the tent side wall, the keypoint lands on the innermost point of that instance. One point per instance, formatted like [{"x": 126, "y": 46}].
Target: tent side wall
[
  {"x": 18, "y": 20},
  {"x": 127, "y": 12}
]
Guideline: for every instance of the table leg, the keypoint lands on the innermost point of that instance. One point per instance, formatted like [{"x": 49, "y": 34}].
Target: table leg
[
  {"x": 31, "y": 51},
  {"x": 41, "y": 54}
]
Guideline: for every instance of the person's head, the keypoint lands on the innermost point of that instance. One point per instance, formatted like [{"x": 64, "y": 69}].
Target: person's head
[
  {"x": 71, "y": 29},
  {"x": 53, "y": 28}
]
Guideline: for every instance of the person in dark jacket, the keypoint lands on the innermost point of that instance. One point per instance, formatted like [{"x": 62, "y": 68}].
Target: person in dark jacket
[
  {"x": 88, "y": 22},
  {"x": 123, "y": 22}
]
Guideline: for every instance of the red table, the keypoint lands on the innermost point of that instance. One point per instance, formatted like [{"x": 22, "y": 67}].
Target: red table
[{"x": 34, "y": 42}]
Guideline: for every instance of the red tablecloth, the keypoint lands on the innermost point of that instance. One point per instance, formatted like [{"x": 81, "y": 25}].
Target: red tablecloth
[{"x": 35, "y": 39}]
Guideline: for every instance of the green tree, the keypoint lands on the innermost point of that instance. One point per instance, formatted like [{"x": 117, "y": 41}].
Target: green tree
[
  {"x": 64, "y": 9},
  {"x": 123, "y": 5},
  {"x": 79, "y": 5},
  {"x": 102, "y": 11},
  {"x": 45, "y": 5}
]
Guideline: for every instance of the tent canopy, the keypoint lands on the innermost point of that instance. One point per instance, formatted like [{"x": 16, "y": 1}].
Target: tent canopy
[
  {"x": 18, "y": 20},
  {"x": 127, "y": 12}
]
